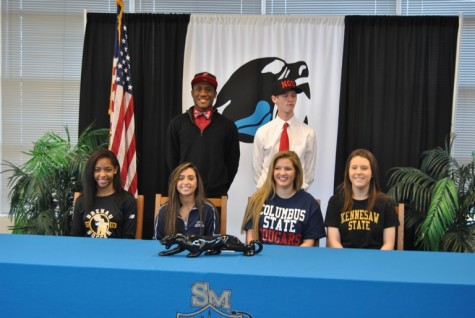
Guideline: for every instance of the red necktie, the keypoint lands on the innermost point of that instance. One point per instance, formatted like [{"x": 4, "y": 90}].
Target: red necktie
[{"x": 284, "y": 139}]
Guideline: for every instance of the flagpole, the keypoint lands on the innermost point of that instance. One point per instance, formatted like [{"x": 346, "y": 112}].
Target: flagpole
[{"x": 121, "y": 107}]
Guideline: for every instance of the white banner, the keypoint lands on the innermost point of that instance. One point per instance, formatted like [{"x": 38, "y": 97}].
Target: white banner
[{"x": 247, "y": 54}]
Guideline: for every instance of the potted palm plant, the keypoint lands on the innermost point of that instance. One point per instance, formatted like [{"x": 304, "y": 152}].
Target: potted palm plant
[
  {"x": 41, "y": 189},
  {"x": 441, "y": 200}
]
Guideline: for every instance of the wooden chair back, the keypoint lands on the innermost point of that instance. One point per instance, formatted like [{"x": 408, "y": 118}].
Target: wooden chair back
[
  {"x": 400, "y": 229},
  {"x": 140, "y": 207},
  {"x": 221, "y": 205}
]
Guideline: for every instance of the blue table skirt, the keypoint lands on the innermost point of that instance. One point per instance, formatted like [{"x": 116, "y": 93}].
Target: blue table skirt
[{"x": 45, "y": 276}]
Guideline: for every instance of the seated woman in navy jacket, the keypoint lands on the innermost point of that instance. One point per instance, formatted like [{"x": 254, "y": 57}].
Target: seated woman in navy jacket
[{"x": 187, "y": 210}]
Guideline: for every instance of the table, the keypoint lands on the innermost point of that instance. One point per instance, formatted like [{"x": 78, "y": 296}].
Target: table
[{"x": 51, "y": 276}]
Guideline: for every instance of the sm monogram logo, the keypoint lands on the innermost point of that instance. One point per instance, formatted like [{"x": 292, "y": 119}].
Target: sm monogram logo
[
  {"x": 202, "y": 295},
  {"x": 211, "y": 304}
]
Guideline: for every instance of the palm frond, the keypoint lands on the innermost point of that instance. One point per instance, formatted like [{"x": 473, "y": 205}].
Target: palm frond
[
  {"x": 436, "y": 163},
  {"x": 440, "y": 215},
  {"x": 46, "y": 223},
  {"x": 464, "y": 179},
  {"x": 411, "y": 185},
  {"x": 458, "y": 241},
  {"x": 469, "y": 201},
  {"x": 91, "y": 139}
]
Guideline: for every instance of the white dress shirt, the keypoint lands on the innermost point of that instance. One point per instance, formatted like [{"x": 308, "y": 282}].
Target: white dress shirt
[{"x": 302, "y": 140}]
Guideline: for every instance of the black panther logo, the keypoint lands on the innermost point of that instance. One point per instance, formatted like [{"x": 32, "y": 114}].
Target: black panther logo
[
  {"x": 246, "y": 96},
  {"x": 210, "y": 245}
]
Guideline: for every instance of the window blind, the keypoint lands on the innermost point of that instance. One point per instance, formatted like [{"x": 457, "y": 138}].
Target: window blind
[{"x": 41, "y": 53}]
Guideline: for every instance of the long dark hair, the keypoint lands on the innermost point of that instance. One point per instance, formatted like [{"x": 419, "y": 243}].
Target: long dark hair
[
  {"x": 89, "y": 182},
  {"x": 174, "y": 203},
  {"x": 374, "y": 191}
]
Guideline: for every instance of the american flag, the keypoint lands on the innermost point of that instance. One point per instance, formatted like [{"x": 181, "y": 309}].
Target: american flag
[{"x": 121, "y": 110}]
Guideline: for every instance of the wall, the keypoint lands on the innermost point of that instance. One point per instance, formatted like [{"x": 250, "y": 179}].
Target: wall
[{"x": 4, "y": 223}]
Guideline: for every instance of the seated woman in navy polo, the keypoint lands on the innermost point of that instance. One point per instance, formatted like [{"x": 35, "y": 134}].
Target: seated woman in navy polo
[{"x": 187, "y": 210}]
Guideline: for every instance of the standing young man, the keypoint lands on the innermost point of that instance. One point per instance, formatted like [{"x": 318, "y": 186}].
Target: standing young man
[
  {"x": 204, "y": 137},
  {"x": 284, "y": 132}
]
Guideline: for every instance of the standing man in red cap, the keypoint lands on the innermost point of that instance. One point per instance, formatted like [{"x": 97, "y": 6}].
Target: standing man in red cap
[
  {"x": 284, "y": 132},
  {"x": 204, "y": 137}
]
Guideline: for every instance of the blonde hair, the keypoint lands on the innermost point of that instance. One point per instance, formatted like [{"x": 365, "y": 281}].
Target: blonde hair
[{"x": 256, "y": 201}]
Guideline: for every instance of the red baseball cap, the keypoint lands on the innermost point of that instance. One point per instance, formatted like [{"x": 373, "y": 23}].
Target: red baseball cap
[{"x": 205, "y": 77}]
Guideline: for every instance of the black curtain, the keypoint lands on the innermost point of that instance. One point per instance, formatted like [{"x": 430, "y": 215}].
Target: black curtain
[
  {"x": 396, "y": 92},
  {"x": 397, "y": 88},
  {"x": 156, "y": 47}
]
